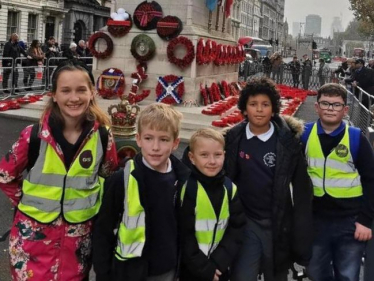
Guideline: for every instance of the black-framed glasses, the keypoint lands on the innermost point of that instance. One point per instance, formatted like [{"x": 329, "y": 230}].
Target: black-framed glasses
[{"x": 336, "y": 106}]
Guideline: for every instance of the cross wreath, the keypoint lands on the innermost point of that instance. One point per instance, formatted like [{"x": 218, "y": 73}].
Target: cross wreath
[{"x": 170, "y": 90}]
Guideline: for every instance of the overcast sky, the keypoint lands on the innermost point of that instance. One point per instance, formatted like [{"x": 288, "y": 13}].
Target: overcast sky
[{"x": 297, "y": 10}]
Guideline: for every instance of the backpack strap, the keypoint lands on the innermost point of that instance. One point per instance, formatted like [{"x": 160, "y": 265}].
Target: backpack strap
[
  {"x": 354, "y": 141},
  {"x": 307, "y": 129},
  {"x": 34, "y": 146},
  {"x": 229, "y": 186},
  {"x": 104, "y": 136}
]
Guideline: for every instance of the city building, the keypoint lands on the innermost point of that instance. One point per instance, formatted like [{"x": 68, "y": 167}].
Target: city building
[
  {"x": 313, "y": 25},
  {"x": 268, "y": 28},
  {"x": 257, "y": 16},
  {"x": 67, "y": 21},
  {"x": 295, "y": 29},
  {"x": 246, "y": 18},
  {"x": 336, "y": 26}
]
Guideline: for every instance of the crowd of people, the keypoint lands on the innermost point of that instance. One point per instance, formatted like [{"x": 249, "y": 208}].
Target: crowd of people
[
  {"x": 36, "y": 57},
  {"x": 268, "y": 193}
]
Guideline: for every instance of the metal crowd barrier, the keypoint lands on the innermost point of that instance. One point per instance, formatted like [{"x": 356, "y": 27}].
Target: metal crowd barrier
[
  {"x": 18, "y": 78},
  {"x": 283, "y": 75}
]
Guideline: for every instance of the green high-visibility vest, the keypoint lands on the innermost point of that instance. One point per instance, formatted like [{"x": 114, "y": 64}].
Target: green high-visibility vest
[
  {"x": 49, "y": 189},
  {"x": 335, "y": 175},
  {"x": 131, "y": 232},
  {"x": 209, "y": 229}
]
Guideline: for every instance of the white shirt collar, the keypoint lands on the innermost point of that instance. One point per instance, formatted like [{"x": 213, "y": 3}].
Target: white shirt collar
[
  {"x": 169, "y": 168},
  {"x": 263, "y": 137}
]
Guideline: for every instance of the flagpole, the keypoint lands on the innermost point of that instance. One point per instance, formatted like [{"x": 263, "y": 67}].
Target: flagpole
[
  {"x": 223, "y": 21},
  {"x": 217, "y": 17},
  {"x": 210, "y": 20}
]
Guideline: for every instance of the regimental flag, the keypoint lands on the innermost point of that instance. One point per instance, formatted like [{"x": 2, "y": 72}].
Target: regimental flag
[
  {"x": 228, "y": 5},
  {"x": 211, "y": 4}
]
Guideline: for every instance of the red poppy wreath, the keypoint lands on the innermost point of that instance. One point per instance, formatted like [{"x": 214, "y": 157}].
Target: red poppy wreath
[
  {"x": 109, "y": 45},
  {"x": 170, "y": 89},
  {"x": 190, "y": 51},
  {"x": 111, "y": 83}
]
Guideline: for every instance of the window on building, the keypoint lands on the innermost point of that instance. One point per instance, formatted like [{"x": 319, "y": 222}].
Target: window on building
[
  {"x": 12, "y": 24},
  {"x": 32, "y": 27}
]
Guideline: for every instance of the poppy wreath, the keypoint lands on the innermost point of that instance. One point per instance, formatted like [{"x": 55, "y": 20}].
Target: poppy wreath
[
  {"x": 225, "y": 88},
  {"x": 212, "y": 54},
  {"x": 116, "y": 80},
  {"x": 219, "y": 55},
  {"x": 109, "y": 43},
  {"x": 201, "y": 53},
  {"x": 214, "y": 91},
  {"x": 138, "y": 78},
  {"x": 169, "y": 27},
  {"x": 170, "y": 89},
  {"x": 204, "y": 94},
  {"x": 119, "y": 28},
  {"x": 190, "y": 51},
  {"x": 146, "y": 15},
  {"x": 143, "y": 48},
  {"x": 241, "y": 53}
]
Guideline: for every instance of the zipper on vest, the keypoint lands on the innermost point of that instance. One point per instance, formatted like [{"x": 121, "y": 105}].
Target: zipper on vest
[
  {"x": 324, "y": 175},
  {"x": 214, "y": 238},
  {"x": 62, "y": 196}
]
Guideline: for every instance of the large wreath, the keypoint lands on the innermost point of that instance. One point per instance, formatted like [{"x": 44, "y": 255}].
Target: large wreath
[
  {"x": 170, "y": 89},
  {"x": 147, "y": 14},
  {"x": 109, "y": 43},
  {"x": 190, "y": 51},
  {"x": 143, "y": 47},
  {"x": 169, "y": 27},
  {"x": 111, "y": 83},
  {"x": 119, "y": 28}
]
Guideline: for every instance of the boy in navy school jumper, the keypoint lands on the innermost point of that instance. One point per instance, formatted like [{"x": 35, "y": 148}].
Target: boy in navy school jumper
[
  {"x": 264, "y": 159},
  {"x": 141, "y": 205},
  {"x": 209, "y": 189},
  {"x": 341, "y": 165}
]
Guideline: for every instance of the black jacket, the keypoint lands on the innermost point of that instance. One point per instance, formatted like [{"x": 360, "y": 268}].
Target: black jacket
[
  {"x": 292, "y": 214},
  {"x": 365, "y": 79},
  {"x": 106, "y": 266},
  {"x": 196, "y": 266},
  {"x": 12, "y": 50}
]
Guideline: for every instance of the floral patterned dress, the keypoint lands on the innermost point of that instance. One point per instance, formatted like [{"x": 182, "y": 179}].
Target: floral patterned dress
[{"x": 55, "y": 251}]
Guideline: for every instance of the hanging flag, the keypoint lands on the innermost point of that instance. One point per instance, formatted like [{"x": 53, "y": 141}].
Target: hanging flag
[
  {"x": 221, "y": 3},
  {"x": 228, "y": 5},
  {"x": 211, "y": 4}
]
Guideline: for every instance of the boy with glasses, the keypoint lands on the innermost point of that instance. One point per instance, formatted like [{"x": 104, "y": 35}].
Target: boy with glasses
[{"x": 340, "y": 165}]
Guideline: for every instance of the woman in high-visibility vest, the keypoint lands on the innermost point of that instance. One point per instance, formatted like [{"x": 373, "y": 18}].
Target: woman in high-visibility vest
[
  {"x": 56, "y": 201},
  {"x": 211, "y": 215}
]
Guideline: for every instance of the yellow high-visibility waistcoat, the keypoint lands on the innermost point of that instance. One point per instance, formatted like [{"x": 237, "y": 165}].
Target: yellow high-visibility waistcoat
[
  {"x": 209, "y": 229},
  {"x": 336, "y": 175},
  {"x": 131, "y": 232},
  {"x": 50, "y": 190}
]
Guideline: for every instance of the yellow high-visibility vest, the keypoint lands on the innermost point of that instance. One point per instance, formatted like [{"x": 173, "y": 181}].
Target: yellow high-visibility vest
[
  {"x": 209, "y": 230},
  {"x": 131, "y": 232},
  {"x": 335, "y": 175},
  {"x": 49, "y": 189}
]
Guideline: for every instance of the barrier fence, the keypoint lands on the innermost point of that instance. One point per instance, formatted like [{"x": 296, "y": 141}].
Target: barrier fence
[{"x": 18, "y": 76}]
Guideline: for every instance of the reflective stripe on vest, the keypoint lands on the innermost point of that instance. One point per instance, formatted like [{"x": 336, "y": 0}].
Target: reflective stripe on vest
[
  {"x": 131, "y": 233},
  {"x": 336, "y": 175},
  {"x": 208, "y": 229},
  {"x": 49, "y": 189}
]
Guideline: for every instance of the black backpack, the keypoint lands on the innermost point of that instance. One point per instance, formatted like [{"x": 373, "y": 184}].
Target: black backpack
[{"x": 34, "y": 145}]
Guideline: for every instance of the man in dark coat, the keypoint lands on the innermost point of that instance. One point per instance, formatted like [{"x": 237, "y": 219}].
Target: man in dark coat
[
  {"x": 11, "y": 50},
  {"x": 364, "y": 78},
  {"x": 295, "y": 71},
  {"x": 306, "y": 71}
]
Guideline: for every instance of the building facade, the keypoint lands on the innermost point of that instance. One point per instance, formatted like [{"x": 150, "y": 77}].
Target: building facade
[
  {"x": 67, "y": 21},
  {"x": 336, "y": 26},
  {"x": 247, "y": 18},
  {"x": 313, "y": 25}
]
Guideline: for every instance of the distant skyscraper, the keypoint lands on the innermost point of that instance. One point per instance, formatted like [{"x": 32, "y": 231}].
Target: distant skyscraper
[
  {"x": 313, "y": 25},
  {"x": 295, "y": 29},
  {"x": 336, "y": 26}
]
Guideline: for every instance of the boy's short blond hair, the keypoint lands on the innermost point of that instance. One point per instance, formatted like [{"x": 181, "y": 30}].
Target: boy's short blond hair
[
  {"x": 160, "y": 117},
  {"x": 206, "y": 133}
]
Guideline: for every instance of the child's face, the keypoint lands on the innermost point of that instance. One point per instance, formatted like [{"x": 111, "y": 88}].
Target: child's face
[
  {"x": 259, "y": 111},
  {"x": 330, "y": 116},
  {"x": 73, "y": 94},
  {"x": 156, "y": 147},
  {"x": 208, "y": 156}
]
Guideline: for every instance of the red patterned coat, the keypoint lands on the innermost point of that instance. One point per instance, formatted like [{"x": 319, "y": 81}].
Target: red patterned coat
[{"x": 55, "y": 251}]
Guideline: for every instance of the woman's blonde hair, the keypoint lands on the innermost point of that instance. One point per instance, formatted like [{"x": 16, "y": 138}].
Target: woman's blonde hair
[
  {"x": 93, "y": 113},
  {"x": 160, "y": 117},
  {"x": 206, "y": 133}
]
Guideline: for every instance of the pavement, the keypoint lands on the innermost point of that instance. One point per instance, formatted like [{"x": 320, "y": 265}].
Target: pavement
[{"x": 11, "y": 129}]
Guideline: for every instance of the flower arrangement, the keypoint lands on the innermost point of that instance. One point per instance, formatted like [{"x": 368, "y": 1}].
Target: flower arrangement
[
  {"x": 190, "y": 51},
  {"x": 109, "y": 43},
  {"x": 111, "y": 83},
  {"x": 170, "y": 89}
]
